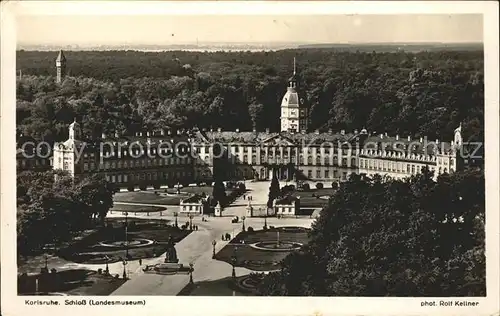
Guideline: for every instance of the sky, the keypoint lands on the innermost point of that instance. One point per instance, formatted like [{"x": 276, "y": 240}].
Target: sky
[{"x": 180, "y": 29}]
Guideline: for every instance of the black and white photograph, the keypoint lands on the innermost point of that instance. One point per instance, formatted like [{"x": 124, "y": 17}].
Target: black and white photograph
[{"x": 304, "y": 155}]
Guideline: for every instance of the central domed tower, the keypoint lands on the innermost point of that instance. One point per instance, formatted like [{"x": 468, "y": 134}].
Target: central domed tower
[{"x": 293, "y": 110}]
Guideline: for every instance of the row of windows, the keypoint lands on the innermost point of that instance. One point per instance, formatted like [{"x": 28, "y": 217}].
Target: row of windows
[
  {"x": 385, "y": 165},
  {"x": 119, "y": 164},
  {"x": 326, "y": 174},
  {"x": 394, "y": 166},
  {"x": 289, "y": 210},
  {"x": 122, "y": 178},
  {"x": 293, "y": 150},
  {"x": 326, "y": 161}
]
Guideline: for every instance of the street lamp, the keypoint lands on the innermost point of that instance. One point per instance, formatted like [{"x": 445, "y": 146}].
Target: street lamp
[
  {"x": 175, "y": 215},
  {"x": 233, "y": 261},
  {"x": 243, "y": 220},
  {"x": 213, "y": 244},
  {"x": 190, "y": 222},
  {"x": 107, "y": 267},
  {"x": 46, "y": 259},
  {"x": 124, "y": 272},
  {"x": 191, "y": 269},
  {"x": 126, "y": 235},
  {"x": 265, "y": 220}
]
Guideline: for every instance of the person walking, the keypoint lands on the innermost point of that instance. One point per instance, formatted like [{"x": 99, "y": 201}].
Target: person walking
[{"x": 140, "y": 261}]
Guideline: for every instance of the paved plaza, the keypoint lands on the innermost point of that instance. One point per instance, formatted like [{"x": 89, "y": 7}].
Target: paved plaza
[{"x": 197, "y": 248}]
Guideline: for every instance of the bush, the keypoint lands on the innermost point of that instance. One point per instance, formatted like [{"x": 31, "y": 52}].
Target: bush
[
  {"x": 319, "y": 185},
  {"x": 335, "y": 185},
  {"x": 306, "y": 187},
  {"x": 156, "y": 186},
  {"x": 264, "y": 227},
  {"x": 130, "y": 188},
  {"x": 143, "y": 187},
  {"x": 250, "y": 229},
  {"x": 99, "y": 271}
]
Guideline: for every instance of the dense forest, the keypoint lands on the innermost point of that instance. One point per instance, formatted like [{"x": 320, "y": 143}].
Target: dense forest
[
  {"x": 412, "y": 237},
  {"x": 420, "y": 94}
]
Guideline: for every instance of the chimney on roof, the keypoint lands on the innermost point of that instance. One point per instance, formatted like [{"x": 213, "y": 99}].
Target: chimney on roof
[
  {"x": 330, "y": 131},
  {"x": 237, "y": 130},
  {"x": 211, "y": 129},
  {"x": 267, "y": 130},
  {"x": 342, "y": 132},
  {"x": 397, "y": 137},
  {"x": 254, "y": 130},
  {"x": 356, "y": 131},
  {"x": 219, "y": 129},
  {"x": 409, "y": 138},
  {"x": 317, "y": 132}
]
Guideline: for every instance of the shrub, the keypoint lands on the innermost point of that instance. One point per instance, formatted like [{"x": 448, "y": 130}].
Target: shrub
[
  {"x": 250, "y": 229},
  {"x": 99, "y": 271},
  {"x": 319, "y": 185},
  {"x": 306, "y": 187},
  {"x": 156, "y": 186},
  {"x": 143, "y": 187},
  {"x": 335, "y": 185},
  {"x": 131, "y": 188}
]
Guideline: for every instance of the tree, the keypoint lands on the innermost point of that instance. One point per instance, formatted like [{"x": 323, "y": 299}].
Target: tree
[
  {"x": 274, "y": 191},
  {"x": 412, "y": 237},
  {"x": 219, "y": 193}
]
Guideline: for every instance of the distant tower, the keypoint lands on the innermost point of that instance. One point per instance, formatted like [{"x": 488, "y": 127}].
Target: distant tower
[
  {"x": 60, "y": 66},
  {"x": 293, "y": 110}
]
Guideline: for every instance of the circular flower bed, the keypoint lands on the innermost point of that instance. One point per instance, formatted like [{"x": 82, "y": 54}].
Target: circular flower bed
[
  {"x": 122, "y": 244},
  {"x": 276, "y": 246}
]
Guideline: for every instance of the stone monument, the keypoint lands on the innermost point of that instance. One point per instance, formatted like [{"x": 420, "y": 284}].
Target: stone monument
[
  {"x": 218, "y": 210},
  {"x": 171, "y": 253},
  {"x": 249, "y": 209}
]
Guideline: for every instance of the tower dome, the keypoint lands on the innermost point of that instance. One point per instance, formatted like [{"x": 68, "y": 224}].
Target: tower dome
[{"x": 293, "y": 110}]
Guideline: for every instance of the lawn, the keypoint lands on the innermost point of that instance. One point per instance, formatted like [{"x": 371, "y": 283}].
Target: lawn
[
  {"x": 308, "y": 200},
  {"x": 136, "y": 208},
  {"x": 222, "y": 287},
  {"x": 148, "y": 197},
  {"x": 89, "y": 249},
  {"x": 256, "y": 259},
  {"x": 70, "y": 282}
]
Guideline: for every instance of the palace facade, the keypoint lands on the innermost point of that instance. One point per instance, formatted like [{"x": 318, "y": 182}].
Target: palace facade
[{"x": 168, "y": 157}]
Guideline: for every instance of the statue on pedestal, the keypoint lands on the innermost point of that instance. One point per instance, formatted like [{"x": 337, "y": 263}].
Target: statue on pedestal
[{"x": 171, "y": 253}]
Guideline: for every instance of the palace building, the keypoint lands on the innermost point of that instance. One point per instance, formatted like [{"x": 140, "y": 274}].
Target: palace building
[{"x": 168, "y": 157}]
